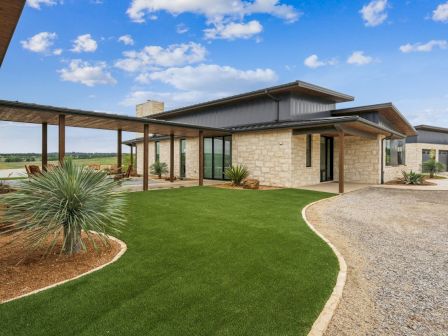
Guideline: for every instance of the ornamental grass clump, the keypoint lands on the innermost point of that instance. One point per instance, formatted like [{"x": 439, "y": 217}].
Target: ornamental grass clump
[
  {"x": 159, "y": 168},
  {"x": 432, "y": 167},
  {"x": 66, "y": 202},
  {"x": 236, "y": 174}
]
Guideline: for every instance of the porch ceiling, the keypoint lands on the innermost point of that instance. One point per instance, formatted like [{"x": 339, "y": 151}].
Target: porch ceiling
[
  {"x": 10, "y": 12},
  {"x": 38, "y": 114}
]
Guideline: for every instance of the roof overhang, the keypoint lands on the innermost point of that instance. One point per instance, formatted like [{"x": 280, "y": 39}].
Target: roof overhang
[
  {"x": 431, "y": 128},
  {"x": 38, "y": 114},
  {"x": 297, "y": 87},
  {"x": 10, "y": 12},
  {"x": 387, "y": 111}
]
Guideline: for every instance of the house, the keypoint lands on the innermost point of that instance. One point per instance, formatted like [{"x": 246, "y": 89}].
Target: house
[
  {"x": 430, "y": 142},
  {"x": 289, "y": 135}
]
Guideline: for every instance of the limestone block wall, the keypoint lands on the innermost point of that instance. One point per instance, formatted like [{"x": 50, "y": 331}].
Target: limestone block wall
[
  {"x": 362, "y": 160},
  {"x": 266, "y": 154},
  {"x": 414, "y": 155},
  {"x": 192, "y": 158},
  {"x": 301, "y": 174}
]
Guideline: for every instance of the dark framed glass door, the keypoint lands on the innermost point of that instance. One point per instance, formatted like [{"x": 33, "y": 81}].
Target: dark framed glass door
[
  {"x": 326, "y": 159},
  {"x": 183, "y": 158},
  {"x": 217, "y": 157},
  {"x": 443, "y": 158}
]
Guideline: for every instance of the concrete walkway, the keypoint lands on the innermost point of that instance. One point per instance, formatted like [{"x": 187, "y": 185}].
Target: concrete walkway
[{"x": 395, "y": 245}]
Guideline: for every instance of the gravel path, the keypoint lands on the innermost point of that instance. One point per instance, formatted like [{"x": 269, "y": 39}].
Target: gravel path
[{"x": 395, "y": 243}]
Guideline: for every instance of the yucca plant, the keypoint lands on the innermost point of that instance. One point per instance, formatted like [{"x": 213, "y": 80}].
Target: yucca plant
[
  {"x": 66, "y": 201},
  {"x": 236, "y": 174},
  {"x": 159, "y": 168},
  {"x": 412, "y": 178},
  {"x": 432, "y": 167}
]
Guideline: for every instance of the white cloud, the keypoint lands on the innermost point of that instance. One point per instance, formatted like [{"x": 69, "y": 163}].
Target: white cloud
[
  {"x": 359, "y": 58},
  {"x": 37, "y": 3},
  {"x": 427, "y": 47},
  {"x": 233, "y": 30},
  {"x": 182, "y": 28},
  {"x": 441, "y": 13},
  {"x": 126, "y": 39},
  {"x": 84, "y": 43},
  {"x": 212, "y": 77},
  {"x": 173, "y": 55},
  {"x": 314, "y": 62},
  {"x": 212, "y": 9},
  {"x": 40, "y": 43},
  {"x": 85, "y": 73},
  {"x": 374, "y": 13},
  {"x": 57, "y": 52}
]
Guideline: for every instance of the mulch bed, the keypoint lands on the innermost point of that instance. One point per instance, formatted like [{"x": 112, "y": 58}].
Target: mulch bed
[
  {"x": 230, "y": 186},
  {"x": 23, "y": 271},
  {"x": 398, "y": 182}
]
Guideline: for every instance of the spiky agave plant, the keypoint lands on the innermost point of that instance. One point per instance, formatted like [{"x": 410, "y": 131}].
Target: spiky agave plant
[
  {"x": 159, "y": 168},
  {"x": 66, "y": 201},
  {"x": 236, "y": 174}
]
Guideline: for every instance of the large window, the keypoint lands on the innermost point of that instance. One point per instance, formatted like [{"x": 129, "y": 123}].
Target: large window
[
  {"x": 309, "y": 149},
  {"x": 217, "y": 157},
  {"x": 443, "y": 158},
  {"x": 183, "y": 157},
  {"x": 395, "y": 152},
  {"x": 157, "y": 151}
]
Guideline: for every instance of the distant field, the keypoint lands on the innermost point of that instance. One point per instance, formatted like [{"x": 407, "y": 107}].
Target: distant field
[{"x": 99, "y": 160}]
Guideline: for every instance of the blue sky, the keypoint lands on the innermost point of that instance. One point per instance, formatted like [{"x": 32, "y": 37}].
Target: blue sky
[{"x": 109, "y": 55}]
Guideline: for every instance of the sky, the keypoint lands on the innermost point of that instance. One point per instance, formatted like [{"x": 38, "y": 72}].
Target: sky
[{"x": 108, "y": 55}]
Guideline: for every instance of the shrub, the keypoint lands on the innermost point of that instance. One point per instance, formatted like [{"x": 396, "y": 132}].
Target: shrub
[
  {"x": 159, "y": 168},
  {"x": 67, "y": 200},
  {"x": 412, "y": 178},
  {"x": 432, "y": 167},
  {"x": 236, "y": 174}
]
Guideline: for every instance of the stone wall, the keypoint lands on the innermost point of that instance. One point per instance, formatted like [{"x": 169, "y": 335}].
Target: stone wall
[
  {"x": 301, "y": 174},
  {"x": 414, "y": 155}
]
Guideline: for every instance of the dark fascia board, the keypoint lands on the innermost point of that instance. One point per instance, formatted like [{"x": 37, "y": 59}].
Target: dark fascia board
[
  {"x": 431, "y": 128},
  {"x": 12, "y": 10},
  {"x": 374, "y": 108},
  {"x": 77, "y": 112},
  {"x": 284, "y": 88}
]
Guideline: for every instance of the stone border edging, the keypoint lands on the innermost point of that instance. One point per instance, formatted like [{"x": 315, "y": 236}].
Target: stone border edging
[
  {"x": 322, "y": 322},
  {"x": 123, "y": 249}
]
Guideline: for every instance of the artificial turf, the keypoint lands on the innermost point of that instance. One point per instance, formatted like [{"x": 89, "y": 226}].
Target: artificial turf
[{"x": 200, "y": 261}]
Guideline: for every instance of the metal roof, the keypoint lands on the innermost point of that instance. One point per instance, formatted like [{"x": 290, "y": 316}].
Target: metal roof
[
  {"x": 387, "y": 110},
  {"x": 297, "y": 87},
  {"x": 431, "y": 128},
  {"x": 38, "y": 114},
  {"x": 10, "y": 11}
]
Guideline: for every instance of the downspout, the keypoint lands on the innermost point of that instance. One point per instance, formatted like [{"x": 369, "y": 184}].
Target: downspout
[{"x": 277, "y": 102}]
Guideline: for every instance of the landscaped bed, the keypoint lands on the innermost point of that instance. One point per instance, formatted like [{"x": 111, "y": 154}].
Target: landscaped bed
[{"x": 200, "y": 261}]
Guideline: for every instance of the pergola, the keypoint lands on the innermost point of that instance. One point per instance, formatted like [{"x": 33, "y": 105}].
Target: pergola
[{"x": 65, "y": 117}]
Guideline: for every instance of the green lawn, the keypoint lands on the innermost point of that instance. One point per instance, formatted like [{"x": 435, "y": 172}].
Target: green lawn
[{"x": 201, "y": 261}]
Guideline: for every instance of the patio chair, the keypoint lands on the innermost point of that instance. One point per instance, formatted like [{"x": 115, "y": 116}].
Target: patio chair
[
  {"x": 94, "y": 166},
  {"x": 125, "y": 175},
  {"x": 33, "y": 170}
]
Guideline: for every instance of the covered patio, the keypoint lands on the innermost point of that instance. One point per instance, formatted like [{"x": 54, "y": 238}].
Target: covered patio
[{"x": 64, "y": 117}]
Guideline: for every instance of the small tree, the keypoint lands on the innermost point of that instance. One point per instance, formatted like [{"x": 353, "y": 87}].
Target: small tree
[
  {"x": 236, "y": 174},
  {"x": 432, "y": 167},
  {"x": 159, "y": 168},
  {"x": 67, "y": 200}
]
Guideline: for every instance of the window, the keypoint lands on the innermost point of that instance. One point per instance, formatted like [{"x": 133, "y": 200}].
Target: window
[
  {"x": 157, "y": 151},
  {"x": 443, "y": 158},
  {"x": 309, "y": 149},
  {"x": 217, "y": 157},
  {"x": 183, "y": 157},
  {"x": 428, "y": 154},
  {"x": 395, "y": 152}
]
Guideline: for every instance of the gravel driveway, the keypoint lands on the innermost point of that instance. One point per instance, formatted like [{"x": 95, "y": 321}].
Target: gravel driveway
[{"x": 395, "y": 243}]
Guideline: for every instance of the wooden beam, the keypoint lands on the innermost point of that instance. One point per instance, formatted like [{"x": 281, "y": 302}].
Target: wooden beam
[
  {"x": 119, "y": 149},
  {"x": 145, "y": 157},
  {"x": 171, "y": 157},
  {"x": 341, "y": 162},
  {"x": 44, "y": 146},
  {"x": 132, "y": 156},
  {"x": 201, "y": 158},
  {"x": 61, "y": 147}
]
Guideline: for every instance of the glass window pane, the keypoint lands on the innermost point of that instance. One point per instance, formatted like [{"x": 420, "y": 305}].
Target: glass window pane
[
  {"x": 218, "y": 157},
  {"x": 208, "y": 158},
  {"x": 183, "y": 151}
]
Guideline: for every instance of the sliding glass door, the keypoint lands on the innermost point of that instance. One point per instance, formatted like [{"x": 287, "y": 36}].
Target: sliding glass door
[
  {"x": 217, "y": 157},
  {"x": 326, "y": 159}
]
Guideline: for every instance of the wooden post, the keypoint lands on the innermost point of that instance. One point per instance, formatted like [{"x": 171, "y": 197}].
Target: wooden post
[
  {"x": 132, "y": 156},
  {"x": 341, "y": 162},
  {"x": 44, "y": 146},
  {"x": 201, "y": 158},
  {"x": 145, "y": 157},
  {"x": 61, "y": 150},
  {"x": 119, "y": 153},
  {"x": 172, "y": 158}
]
